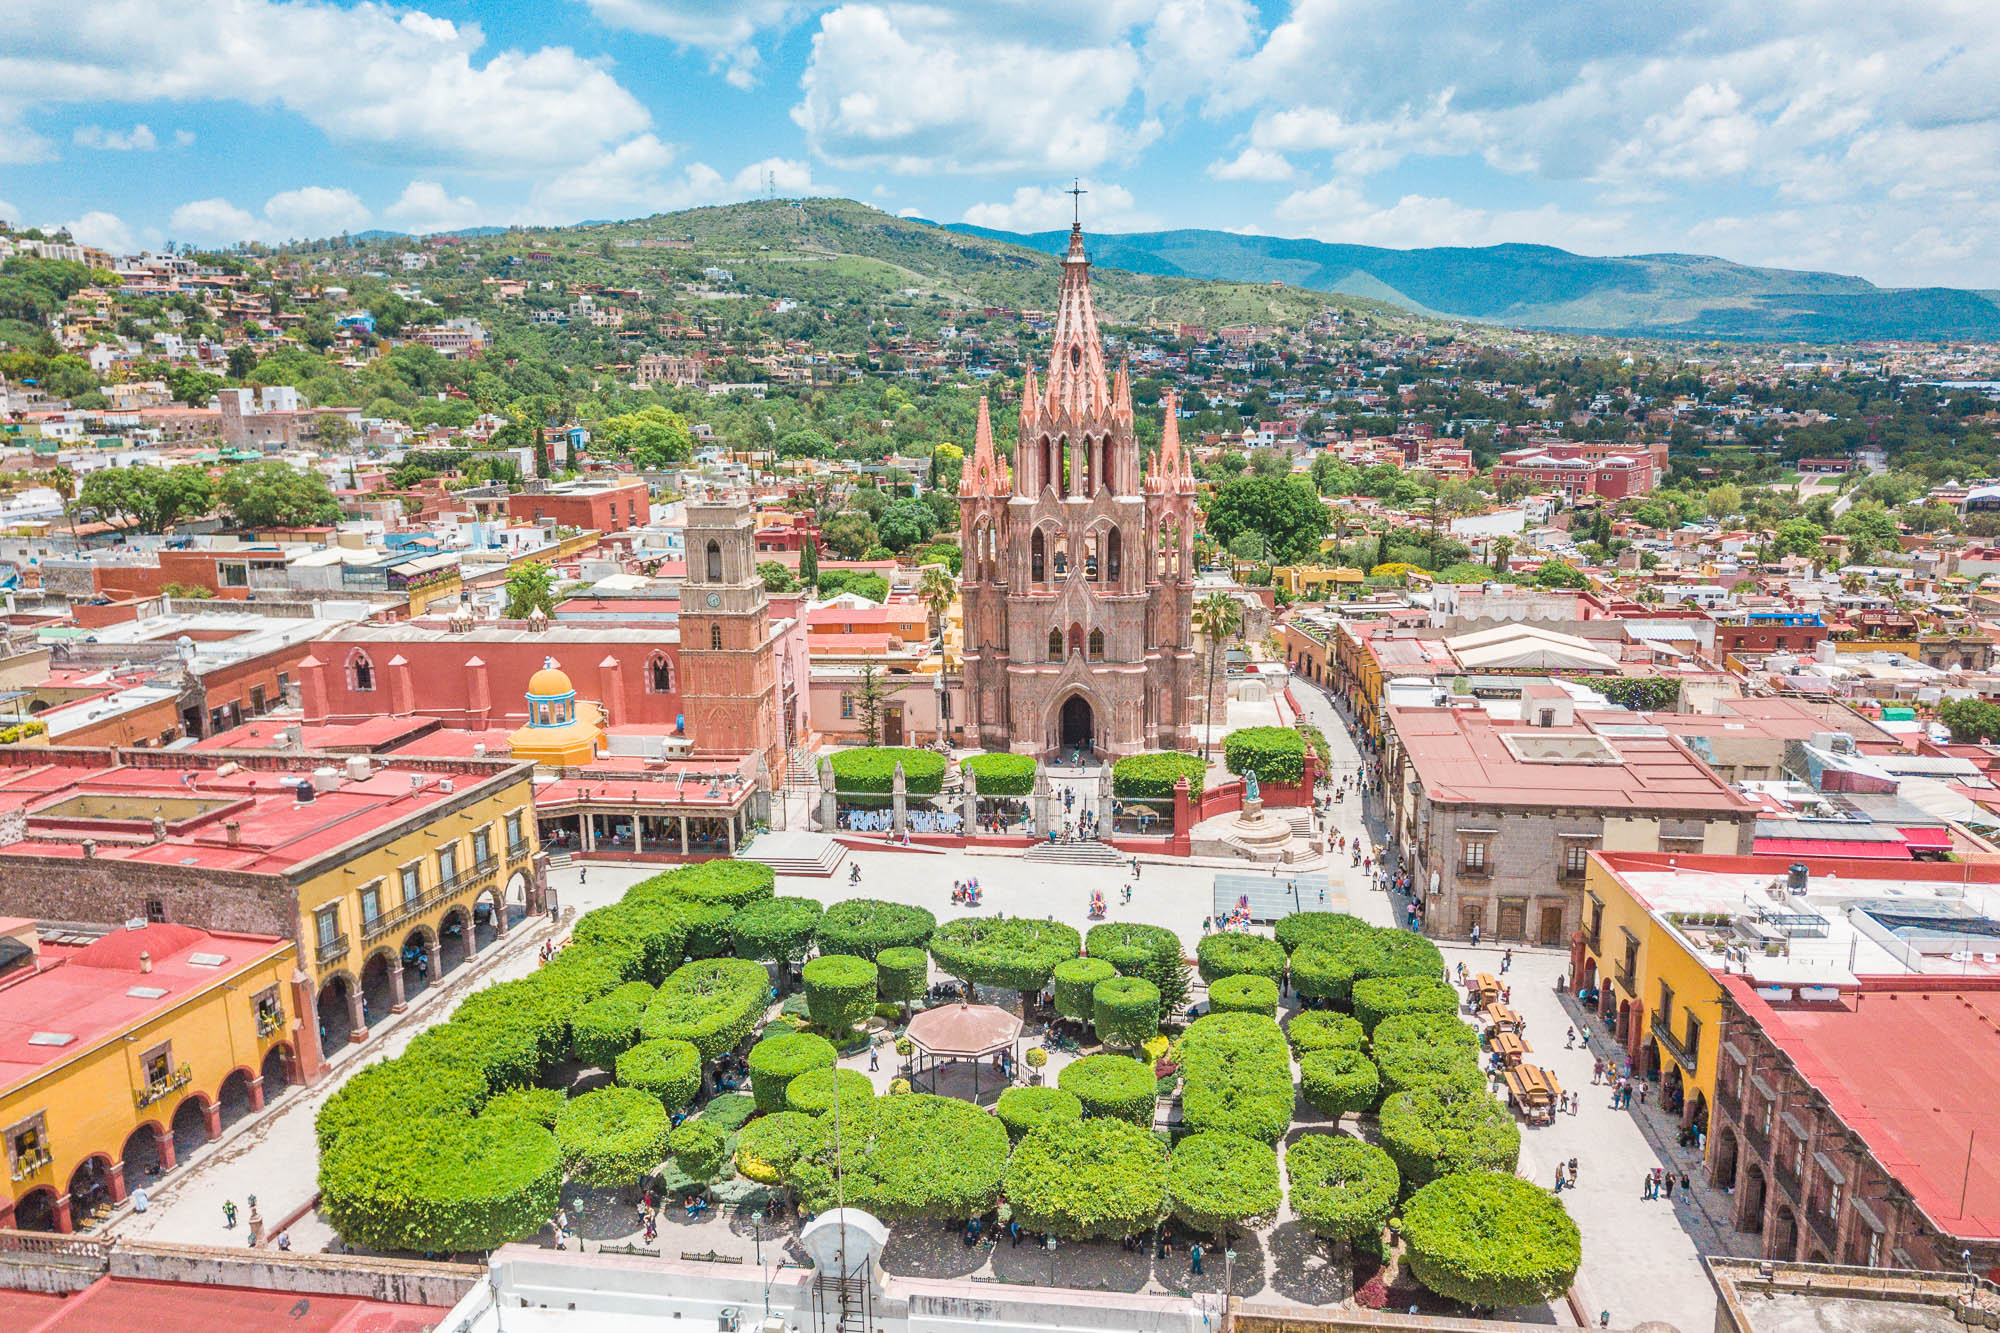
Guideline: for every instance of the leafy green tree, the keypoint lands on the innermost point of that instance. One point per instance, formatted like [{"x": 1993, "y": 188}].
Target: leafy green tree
[
  {"x": 1560, "y": 574},
  {"x": 1284, "y": 509},
  {"x": 530, "y": 587},
  {"x": 776, "y": 577},
  {"x": 850, "y": 534},
  {"x": 809, "y": 565},
  {"x": 274, "y": 494},
  {"x": 1799, "y": 537},
  {"x": 654, "y": 437},
  {"x": 1971, "y": 719},
  {"x": 868, "y": 704},
  {"x": 1218, "y": 617},
  {"x": 191, "y": 386},
  {"x": 1723, "y": 500},
  {"x": 937, "y": 590},
  {"x": 154, "y": 498},
  {"x": 1867, "y": 518}
]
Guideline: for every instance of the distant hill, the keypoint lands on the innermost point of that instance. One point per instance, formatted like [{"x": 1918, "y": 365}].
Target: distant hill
[{"x": 1539, "y": 286}]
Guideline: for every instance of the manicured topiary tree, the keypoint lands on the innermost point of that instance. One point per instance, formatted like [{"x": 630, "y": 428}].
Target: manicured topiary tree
[
  {"x": 1024, "y": 1110},
  {"x": 812, "y": 1092},
  {"x": 1444, "y": 1129},
  {"x": 1400, "y": 953},
  {"x": 441, "y": 1182},
  {"x": 647, "y": 937},
  {"x": 1101, "y": 1178},
  {"x": 1321, "y": 1030},
  {"x": 1236, "y": 1075},
  {"x": 539, "y": 1106},
  {"x": 902, "y": 975},
  {"x": 1151, "y": 777},
  {"x": 608, "y": 1026},
  {"x": 777, "y": 930},
  {"x": 714, "y": 1003},
  {"x": 767, "y": 1147},
  {"x": 1075, "y": 984},
  {"x": 1318, "y": 927},
  {"x": 1229, "y": 955},
  {"x": 1490, "y": 1239},
  {"x": 613, "y": 1136},
  {"x": 1126, "y": 1010},
  {"x": 1244, "y": 993},
  {"x": 1013, "y": 953},
  {"x": 700, "y": 1149},
  {"x": 1416, "y": 1050},
  {"x": 1323, "y": 972},
  {"x": 1221, "y": 1183},
  {"x": 398, "y": 1090},
  {"x": 905, "y": 1157},
  {"x": 1377, "y": 998},
  {"x": 864, "y": 927},
  {"x": 1001, "y": 774},
  {"x": 781, "y": 1057},
  {"x": 1341, "y": 1188},
  {"x": 840, "y": 991},
  {"x": 1338, "y": 1083},
  {"x": 670, "y": 1070},
  {"x": 1112, "y": 1085},
  {"x": 1152, "y": 952},
  {"x": 1278, "y": 754},
  {"x": 866, "y": 777}
]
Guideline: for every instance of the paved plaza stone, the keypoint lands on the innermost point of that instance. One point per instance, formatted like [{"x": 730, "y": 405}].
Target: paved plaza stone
[{"x": 1640, "y": 1258}]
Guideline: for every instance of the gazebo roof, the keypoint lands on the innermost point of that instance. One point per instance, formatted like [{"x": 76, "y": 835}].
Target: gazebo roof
[{"x": 964, "y": 1030}]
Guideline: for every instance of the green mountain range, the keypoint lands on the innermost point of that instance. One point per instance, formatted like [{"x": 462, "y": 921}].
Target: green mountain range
[{"x": 1539, "y": 286}]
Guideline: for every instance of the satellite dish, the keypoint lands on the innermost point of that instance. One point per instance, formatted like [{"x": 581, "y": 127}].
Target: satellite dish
[{"x": 844, "y": 1242}]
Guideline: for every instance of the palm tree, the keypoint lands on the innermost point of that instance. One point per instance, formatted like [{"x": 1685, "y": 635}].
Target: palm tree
[
  {"x": 937, "y": 589},
  {"x": 1218, "y": 617}
]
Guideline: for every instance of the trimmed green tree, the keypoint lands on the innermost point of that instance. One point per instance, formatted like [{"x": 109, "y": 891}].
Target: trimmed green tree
[
  {"x": 539, "y": 1106},
  {"x": 1377, "y": 998},
  {"x": 1001, "y": 774},
  {"x": 902, "y": 975},
  {"x": 608, "y": 1026},
  {"x": 1236, "y": 1075},
  {"x": 1341, "y": 1188},
  {"x": 1076, "y": 984},
  {"x": 1322, "y": 1030},
  {"x": 1152, "y": 952},
  {"x": 670, "y": 1070},
  {"x": 1012, "y": 953},
  {"x": 840, "y": 991},
  {"x": 1126, "y": 1010},
  {"x": 1025, "y": 1110},
  {"x": 905, "y": 1157},
  {"x": 1112, "y": 1085},
  {"x": 441, "y": 1183},
  {"x": 781, "y": 1057},
  {"x": 1490, "y": 1239},
  {"x": 700, "y": 1150},
  {"x": 1319, "y": 927},
  {"x": 812, "y": 1092},
  {"x": 777, "y": 930},
  {"x": 1338, "y": 1083},
  {"x": 1444, "y": 1129},
  {"x": 612, "y": 1137},
  {"x": 1221, "y": 1183},
  {"x": 866, "y": 776},
  {"x": 1277, "y": 754},
  {"x": 1151, "y": 777},
  {"x": 1227, "y": 954},
  {"x": 767, "y": 1147},
  {"x": 714, "y": 1003},
  {"x": 1244, "y": 993},
  {"x": 864, "y": 927},
  {"x": 1102, "y": 1178},
  {"x": 1415, "y": 1050}
]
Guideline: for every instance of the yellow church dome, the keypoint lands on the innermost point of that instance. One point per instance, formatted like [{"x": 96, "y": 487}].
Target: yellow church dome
[{"x": 549, "y": 683}]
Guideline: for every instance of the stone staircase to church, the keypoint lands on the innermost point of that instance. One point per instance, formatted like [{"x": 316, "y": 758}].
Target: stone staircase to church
[
  {"x": 813, "y": 855},
  {"x": 1074, "y": 854},
  {"x": 801, "y": 771}
]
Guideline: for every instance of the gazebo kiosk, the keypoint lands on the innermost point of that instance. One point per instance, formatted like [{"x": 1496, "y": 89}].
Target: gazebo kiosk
[{"x": 955, "y": 1033}]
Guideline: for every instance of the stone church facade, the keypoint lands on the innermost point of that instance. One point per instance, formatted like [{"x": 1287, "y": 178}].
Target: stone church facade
[
  {"x": 1078, "y": 582},
  {"x": 728, "y": 649}
]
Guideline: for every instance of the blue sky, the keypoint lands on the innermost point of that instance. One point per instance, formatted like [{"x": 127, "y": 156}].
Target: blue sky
[{"x": 1802, "y": 133}]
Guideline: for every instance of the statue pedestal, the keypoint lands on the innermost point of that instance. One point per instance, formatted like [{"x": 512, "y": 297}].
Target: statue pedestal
[{"x": 1253, "y": 808}]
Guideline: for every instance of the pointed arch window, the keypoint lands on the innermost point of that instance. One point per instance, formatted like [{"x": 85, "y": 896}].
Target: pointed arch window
[
  {"x": 715, "y": 637},
  {"x": 1097, "y": 645},
  {"x": 714, "y": 562},
  {"x": 1038, "y": 558},
  {"x": 361, "y": 673},
  {"x": 1055, "y": 645},
  {"x": 1114, "y": 553},
  {"x": 1076, "y": 639},
  {"x": 660, "y": 674}
]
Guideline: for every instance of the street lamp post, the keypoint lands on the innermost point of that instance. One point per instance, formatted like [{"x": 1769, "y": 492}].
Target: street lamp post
[
  {"x": 1052, "y": 1261},
  {"x": 1228, "y": 1284},
  {"x": 757, "y": 1223}
]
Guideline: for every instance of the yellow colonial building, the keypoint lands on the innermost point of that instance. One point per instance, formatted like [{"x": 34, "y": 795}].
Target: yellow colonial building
[{"x": 122, "y": 1050}]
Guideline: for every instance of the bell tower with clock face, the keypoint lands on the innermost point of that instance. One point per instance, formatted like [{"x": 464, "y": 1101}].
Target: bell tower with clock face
[{"x": 728, "y": 657}]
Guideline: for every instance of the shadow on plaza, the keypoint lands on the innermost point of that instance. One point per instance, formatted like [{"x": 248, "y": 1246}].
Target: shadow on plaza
[
  {"x": 1087, "y": 1265},
  {"x": 1304, "y": 1267}
]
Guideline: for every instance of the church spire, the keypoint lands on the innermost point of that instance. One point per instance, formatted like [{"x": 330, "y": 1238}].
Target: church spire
[
  {"x": 1076, "y": 361},
  {"x": 982, "y": 475}
]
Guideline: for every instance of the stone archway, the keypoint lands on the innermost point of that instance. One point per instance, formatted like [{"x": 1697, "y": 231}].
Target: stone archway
[
  {"x": 190, "y": 1125},
  {"x": 1727, "y": 1157},
  {"x": 454, "y": 939},
  {"x": 91, "y": 1192},
  {"x": 276, "y": 1071},
  {"x": 1784, "y": 1241},
  {"x": 335, "y": 1010},
  {"x": 233, "y": 1098},
  {"x": 36, "y": 1210},
  {"x": 142, "y": 1157},
  {"x": 1075, "y": 724},
  {"x": 419, "y": 958}
]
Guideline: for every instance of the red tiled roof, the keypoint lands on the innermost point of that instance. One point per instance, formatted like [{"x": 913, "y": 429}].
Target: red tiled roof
[
  {"x": 1862, "y": 851},
  {"x": 187, "y": 1307},
  {"x": 1913, "y": 1067}
]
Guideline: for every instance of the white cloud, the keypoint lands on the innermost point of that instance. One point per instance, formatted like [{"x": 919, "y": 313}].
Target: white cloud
[
  {"x": 1253, "y": 164},
  {"x": 137, "y": 139},
  {"x": 917, "y": 89},
  {"x": 391, "y": 81},
  {"x": 9, "y": 214},
  {"x": 313, "y": 211},
  {"x": 725, "y": 31},
  {"x": 1188, "y": 41},
  {"x": 427, "y": 207},
  {"x": 1047, "y": 208},
  {"x": 183, "y": 138},
  {"x": 638, "y": 178},
  {"x": 19, "y": 145},
  {"x": 103, "y": 230},
  {"x": 1338, "y": 211}
]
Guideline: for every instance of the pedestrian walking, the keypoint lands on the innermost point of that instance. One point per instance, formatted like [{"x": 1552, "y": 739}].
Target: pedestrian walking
[
  {"x": 1668, "y": 1184},
  {"x": 1506, "y": 959},
  {"x": 1644, "y": 1088},
  {"x": 874, "y": 1060},
  {"x": 1569, "y": 1042},
  {"x": 1572, "y": 1173},
  {"x": 1475, "y": 934},
  {"x": 582, "y": 876},
  {"x": 1560, "y": 1180},
  {"x": 1646, "y": 1186},
  {"x": 1194, "y": 1258}
]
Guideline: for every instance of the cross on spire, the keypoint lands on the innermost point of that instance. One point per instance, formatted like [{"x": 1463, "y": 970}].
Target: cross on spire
[{"x": 1076, "y": 193}]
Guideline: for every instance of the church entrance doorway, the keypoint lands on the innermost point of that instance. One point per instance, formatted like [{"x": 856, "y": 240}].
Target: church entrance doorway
[{"x": 1078, "y": 723}]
